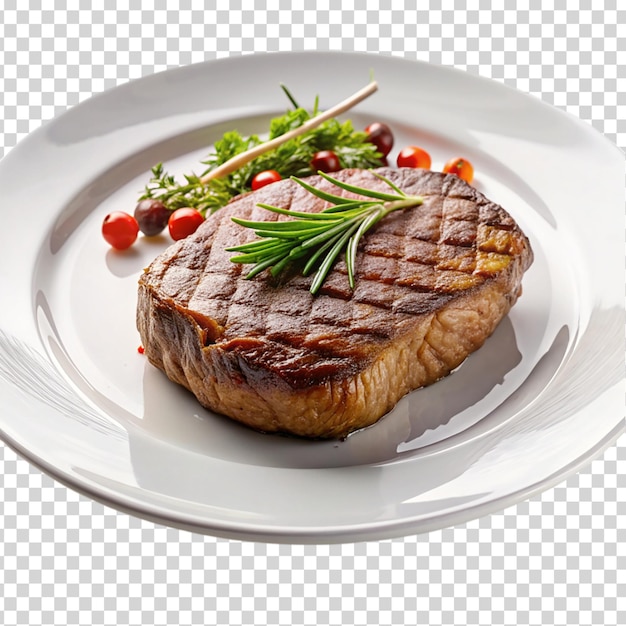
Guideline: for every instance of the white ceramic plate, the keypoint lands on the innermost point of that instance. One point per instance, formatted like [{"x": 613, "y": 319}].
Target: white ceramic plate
[{"x": 542, "y": 398}]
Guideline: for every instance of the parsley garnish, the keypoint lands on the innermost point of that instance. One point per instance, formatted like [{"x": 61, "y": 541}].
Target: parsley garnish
[{"x": 218, "y": 183}]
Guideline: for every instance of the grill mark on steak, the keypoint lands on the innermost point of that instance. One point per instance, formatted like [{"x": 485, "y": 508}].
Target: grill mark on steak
[{"x": 458, "y": 254}]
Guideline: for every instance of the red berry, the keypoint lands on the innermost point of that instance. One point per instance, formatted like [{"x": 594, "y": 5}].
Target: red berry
[
  {"x": 381, "y": 136},
  {"x": 461, "y": 167},
  {"x": 325, "y": 161},
  {"x": 152, "y": 216},
  {"x": 120, "y": 230},
  {"x": 412, "y": 156},
  {"x": 184, "y": 222},
  {"x": 266, "y": 177}
]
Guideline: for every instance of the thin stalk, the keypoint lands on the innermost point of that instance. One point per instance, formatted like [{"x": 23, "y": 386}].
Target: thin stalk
[
  {"x": 241, "y": 159},
  {"x": 370, "y": 193},
  {"x": 263, "y": 265},
  {"x": 289, "y": 96},
  {"x": 339, "y": 228},
  {"x": 322, "y": 215},
  {"x": 329, "y": 260},
  {"x": 353, "y": 244}
]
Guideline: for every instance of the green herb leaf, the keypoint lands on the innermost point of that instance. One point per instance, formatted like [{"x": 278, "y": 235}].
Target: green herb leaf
[{"x": 292, "y": 158}]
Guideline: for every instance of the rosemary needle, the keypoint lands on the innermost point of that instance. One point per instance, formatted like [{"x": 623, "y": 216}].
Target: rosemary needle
[{"x": 319, "y": 238}]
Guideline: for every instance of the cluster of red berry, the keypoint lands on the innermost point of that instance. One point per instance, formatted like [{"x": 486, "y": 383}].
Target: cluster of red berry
[{"x": 151, "y": 216}]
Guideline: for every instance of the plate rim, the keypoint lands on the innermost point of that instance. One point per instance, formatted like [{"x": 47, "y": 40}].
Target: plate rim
[{"x": 314, "y": 535}]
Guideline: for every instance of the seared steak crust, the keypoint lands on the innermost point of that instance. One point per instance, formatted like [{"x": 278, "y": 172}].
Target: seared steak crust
[{"x": 432, "y": 283}]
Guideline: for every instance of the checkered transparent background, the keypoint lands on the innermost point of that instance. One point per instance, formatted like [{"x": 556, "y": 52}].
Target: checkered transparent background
[{"x": 556, "y": 559}]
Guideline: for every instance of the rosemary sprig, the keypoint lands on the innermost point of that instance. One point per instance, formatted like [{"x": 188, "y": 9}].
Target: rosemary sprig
[{"x": 317, "y": 239}]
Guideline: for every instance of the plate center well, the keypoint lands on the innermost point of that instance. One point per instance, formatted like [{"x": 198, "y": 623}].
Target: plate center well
[{"x": 90, "y": 296}]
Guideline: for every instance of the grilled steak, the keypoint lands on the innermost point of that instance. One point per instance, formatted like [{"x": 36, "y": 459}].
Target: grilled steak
[{"x": 432, "y": 283}]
